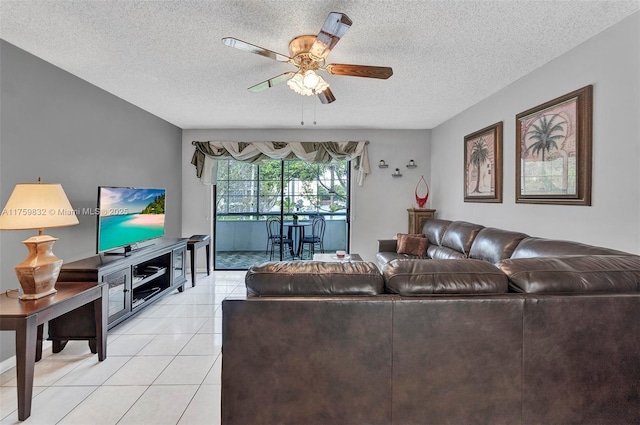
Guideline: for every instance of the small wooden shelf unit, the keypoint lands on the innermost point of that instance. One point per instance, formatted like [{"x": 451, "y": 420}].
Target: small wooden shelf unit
[{"x": 417, "y": 217}]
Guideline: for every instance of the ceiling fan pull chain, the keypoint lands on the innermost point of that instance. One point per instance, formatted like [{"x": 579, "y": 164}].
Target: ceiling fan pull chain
[
  {"x": 315, "y": 104},
  {"x": 302, "y": 113}
]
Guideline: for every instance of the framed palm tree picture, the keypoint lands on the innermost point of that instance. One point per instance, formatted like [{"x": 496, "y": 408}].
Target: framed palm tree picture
[
  {"x": 553, "y": 151},
  {"x": 483, "y": 165}
]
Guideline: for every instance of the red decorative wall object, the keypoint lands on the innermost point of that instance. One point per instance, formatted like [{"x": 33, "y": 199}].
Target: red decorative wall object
[{"x": 422, "y": 201}]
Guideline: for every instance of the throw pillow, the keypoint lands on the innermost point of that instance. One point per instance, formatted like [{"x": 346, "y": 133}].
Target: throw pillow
[{"x": 412, "y": 244}]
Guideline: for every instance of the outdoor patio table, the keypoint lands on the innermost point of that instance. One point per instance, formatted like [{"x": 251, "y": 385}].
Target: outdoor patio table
[{"x": 296, "y": 233}]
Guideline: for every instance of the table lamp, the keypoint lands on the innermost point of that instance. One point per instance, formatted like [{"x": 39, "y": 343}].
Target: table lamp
[{"x": 38, "y": 206}]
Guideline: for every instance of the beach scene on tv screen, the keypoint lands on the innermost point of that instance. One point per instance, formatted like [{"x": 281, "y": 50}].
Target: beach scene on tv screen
[{"x": 130, "y": 215}]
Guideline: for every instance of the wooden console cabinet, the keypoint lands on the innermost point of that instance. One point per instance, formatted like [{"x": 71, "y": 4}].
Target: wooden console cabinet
[
  {"x": 134, "y": 282},
  {"x": 417, "y": 217}
]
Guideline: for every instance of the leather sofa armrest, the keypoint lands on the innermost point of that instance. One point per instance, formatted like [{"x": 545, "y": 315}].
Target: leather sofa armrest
[{"x": 387, "y": 245}]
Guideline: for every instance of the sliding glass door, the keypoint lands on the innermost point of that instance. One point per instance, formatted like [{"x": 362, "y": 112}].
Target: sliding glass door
[{"x": 248, "y": 195}]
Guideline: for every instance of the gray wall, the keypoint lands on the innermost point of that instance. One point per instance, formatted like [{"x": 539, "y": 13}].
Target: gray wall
[
  {"x": 611, "y": 62},
  {"x": 61, "y": 128}
]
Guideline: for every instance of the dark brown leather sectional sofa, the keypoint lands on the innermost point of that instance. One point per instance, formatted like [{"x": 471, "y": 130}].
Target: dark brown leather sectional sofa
[{"x": 489, "y": 327}]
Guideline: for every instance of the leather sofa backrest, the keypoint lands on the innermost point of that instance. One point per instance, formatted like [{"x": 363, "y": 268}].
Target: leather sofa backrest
[
  {"x": 573, "y": 273},
  {"x": 580, "y": 357},
  {"x": 312, "y": 278},
  {"x": 493, "y": 245},
  {"x": 434, "y": 229},
  {"x": 316, "y": 361},
  {"x": 458, "y": 360},
  {"x": 456, "y": 241},
  {"x": 539, "y": 247}
]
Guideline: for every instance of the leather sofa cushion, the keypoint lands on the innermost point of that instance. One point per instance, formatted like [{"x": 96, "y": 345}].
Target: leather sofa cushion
[
  {"x": 295, "y": 278},
  {"x": 493, "y": 245},
  {"x": 434, "y": 229},
  {"x": 540, "y": 247},
  {"x": 580, "y": 273},
  {"x": 384, "y": 257},
  {"x": 460, "y": 235},
  {"x": 465, "y": 276},
  {"x": 444, "y": 253}
]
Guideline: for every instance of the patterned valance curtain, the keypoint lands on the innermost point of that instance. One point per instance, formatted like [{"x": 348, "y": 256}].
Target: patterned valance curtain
[{"x": 206, "y": 156}]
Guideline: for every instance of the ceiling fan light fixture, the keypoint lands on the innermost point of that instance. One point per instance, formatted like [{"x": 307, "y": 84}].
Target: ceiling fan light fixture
[
  {"x": 308, "y": 83},
  {"x": 310, "y": 80}
]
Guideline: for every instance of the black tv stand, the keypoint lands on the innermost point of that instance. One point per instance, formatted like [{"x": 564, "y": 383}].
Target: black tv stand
[{"x": 135, "y": 281}]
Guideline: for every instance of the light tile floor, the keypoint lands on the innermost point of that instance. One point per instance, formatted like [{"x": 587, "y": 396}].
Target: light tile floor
[{"x": 163, "y": 366}]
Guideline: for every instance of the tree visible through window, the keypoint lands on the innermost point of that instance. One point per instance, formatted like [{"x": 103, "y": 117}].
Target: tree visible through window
[{"x": 250, "y": 191}]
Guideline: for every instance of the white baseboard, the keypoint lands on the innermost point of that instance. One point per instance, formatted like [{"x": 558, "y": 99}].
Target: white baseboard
[{"x": 9, "y": 363}]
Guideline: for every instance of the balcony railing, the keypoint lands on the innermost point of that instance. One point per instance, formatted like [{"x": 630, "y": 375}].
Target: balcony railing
[{"x": 248, "y": 232}]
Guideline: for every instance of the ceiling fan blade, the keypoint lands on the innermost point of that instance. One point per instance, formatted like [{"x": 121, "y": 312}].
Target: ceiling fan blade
[
  {"x": 252, "y": 48},
  {"x": 332, "y": 30},
  {"x": 326, "y": 96},
  {"x": 271, "y": 82},
  {"x": 382, "y": 72}
]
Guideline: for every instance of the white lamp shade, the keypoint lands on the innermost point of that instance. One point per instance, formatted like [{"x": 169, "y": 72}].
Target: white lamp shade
[
  {"x": 37, "y": 206},
  {"x": 310, "y": 79}
]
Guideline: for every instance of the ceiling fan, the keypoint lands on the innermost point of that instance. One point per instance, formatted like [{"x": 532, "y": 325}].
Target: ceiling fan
[{"x": 308, "y": 53}]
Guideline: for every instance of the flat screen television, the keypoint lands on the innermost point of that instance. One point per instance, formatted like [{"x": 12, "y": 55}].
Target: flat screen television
[{"x": 128, "y": 216}]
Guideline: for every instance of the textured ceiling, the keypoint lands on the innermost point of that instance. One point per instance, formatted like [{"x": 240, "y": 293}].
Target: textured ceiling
[{"x": 167, "y": 56}]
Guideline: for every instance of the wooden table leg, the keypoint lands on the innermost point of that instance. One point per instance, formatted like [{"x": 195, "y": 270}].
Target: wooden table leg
[
  {"x": 26, "y": 341},
  {"x": 100, "y": 308},
  {"x": 39, "y": 343}
]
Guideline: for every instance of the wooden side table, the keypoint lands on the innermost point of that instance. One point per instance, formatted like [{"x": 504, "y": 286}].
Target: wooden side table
[
  {"x": 417, "y": 217},
  {"x": 195, "y": 242},
  {"x": 27, "y": 319}
]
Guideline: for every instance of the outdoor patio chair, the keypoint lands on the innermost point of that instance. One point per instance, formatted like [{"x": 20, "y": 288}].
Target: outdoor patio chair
[
  {"x": 275, "y": 239},
  {"x": 316, "y": 238}
]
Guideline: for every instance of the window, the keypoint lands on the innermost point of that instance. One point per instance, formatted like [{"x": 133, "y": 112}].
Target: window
[
  {"x": 251, "y": 191},
  {"x": 246, "y": 194},
  {"x": 237, "y": 189}
]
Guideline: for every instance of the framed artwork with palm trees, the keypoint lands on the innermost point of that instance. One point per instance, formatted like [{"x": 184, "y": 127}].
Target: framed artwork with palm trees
[
  {"x": 553, "y": 151},
  {"x": 483, "y": 165}
]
